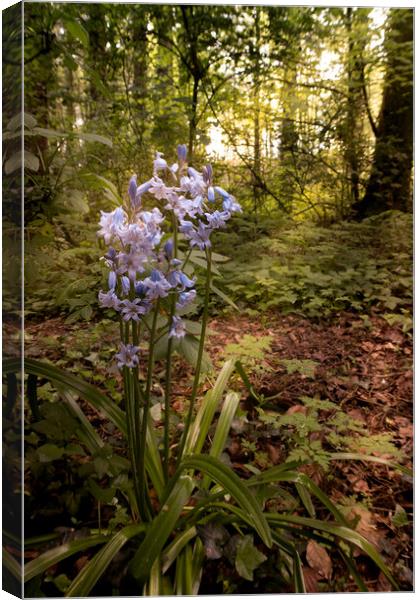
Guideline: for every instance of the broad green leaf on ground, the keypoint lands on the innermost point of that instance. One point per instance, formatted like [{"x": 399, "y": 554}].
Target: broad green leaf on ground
[{"x": 248, "y": 557}]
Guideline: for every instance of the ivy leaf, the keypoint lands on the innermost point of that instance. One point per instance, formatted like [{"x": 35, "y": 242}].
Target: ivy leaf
[{"x": 248, "y": 557}]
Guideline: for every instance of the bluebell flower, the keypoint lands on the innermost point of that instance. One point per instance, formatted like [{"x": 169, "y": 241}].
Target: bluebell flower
[
  {"x": 109, "y": 300},
  {"x": 127, "y": 356},
  {"x": 168, "y": 249},
  {"x": 186, "y": 227},
  {"x": 125, "y": 285},
  {"x": 207, "y": 174},
  {"x": 178, "y": 278},
  {"x": 144, "y": 187},
  {"x": 159, "y": 163},
  {"x": 193, "y": 173},
  {"x": 112, "y": 280},
  {"x": 177, "y": 329},
  {"x": 223, "y": 193},
  {"x": 111, "y": 224},
  {"x": 210, "y": 193},
  {"x": 173, "y": 278},
  {"x": 131, "y": 262},
  {"x": 111, "y": 256},
  {"x": 185, "y": 298},
  {"x": 133, "y": 309},
  {"x": 217, "y": 219},
  {"x": 140, "y": 288},
  {"x": 182, "y": 152},
  {"x": 133, "y": 234},
  {"x": 199, "y": 236},
  {"x": 230, "y": 205},
  {"x": 185, "y": 282},
  {"x": 158, "y": 189},
  {"x": 157, "y": 285},
  {"x": 132, "y": 189}
]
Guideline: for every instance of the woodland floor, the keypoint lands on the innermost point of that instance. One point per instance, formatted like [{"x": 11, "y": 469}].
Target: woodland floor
[{"x": 364, "y": 367}]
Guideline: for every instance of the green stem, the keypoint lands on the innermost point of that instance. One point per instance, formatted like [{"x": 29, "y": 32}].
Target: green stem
[
  {"x": 168, "y": 371},
  {"x": 146, "y": 407},
  {"x": 187, "y": 258},
  {"x": 132, "y": 436},
  {"x": 199, "y": 357}
]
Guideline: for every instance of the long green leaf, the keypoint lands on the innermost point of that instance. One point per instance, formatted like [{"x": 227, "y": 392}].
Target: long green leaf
[
  {"x": 280, "y": 473},
  {"x": 154, "y": 586},
  {"x": 88, "y": 392},
  {"x": 375, "y": 459},
  {"x": 77, "y": 31},
  {"x": 89, "y": 434},
  {"x": 204, "y": 418},
  {"x": 345, "y": 533},
  {"x": 224, "y": 297},
  {"x": 41, "y": 563},
  {"x": 353, "y": 570},
  {"x": 173, "y": 550},
  {"x": 95, "y": 137},
  {"x": 183, "y": 574},
  {"x": 12, "y": 565},
  {"x": 198, "y": 556},
  {"x": 110, "y": 189},
  {"x": 233, "y": 485},
  {"x": 153, "y": 460},
  {"x": 99, "y": 401},
  {"x": 223, "y": 426},
  {"x": 224, "y": 423},
  {"x": 306, "y": 499},
  {"x": 242, "y": 373},
  {"x": 161, "y": 528},
  {"x": 89, "y": 575},
  {"x": 298, "y": 579}
]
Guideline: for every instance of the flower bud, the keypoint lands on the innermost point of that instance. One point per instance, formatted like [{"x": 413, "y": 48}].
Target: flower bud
[
  {"x": 168, "y": 249},
  {"x": 182, "y": 152},
  {"x": 132, "y": 189},
  {"x": 125, "y": 284},
  {"x": 112, "y": 280},
  {"x": 207, "y": 174}
]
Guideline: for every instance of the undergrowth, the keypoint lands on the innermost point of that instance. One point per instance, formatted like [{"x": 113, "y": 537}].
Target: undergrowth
[{"x": 317, "y": 271}]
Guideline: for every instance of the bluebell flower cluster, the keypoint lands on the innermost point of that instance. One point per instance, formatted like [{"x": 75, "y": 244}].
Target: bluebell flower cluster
[{"x": 142, "y": 262}]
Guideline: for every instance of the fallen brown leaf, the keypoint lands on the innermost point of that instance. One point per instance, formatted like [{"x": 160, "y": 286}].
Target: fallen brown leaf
[
  {"x": 319, "y": 559},
  {"x": 311, "y": 578}
]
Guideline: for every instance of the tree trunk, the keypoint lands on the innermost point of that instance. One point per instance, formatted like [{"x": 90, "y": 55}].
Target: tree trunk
[
  {"x": 140, "y": 74},
  {"x": 389, "y": 185},
  {"x": 193, "y": 117},
  {"x": 256, "y": 179},
  {"x": 356, "y": 23}
]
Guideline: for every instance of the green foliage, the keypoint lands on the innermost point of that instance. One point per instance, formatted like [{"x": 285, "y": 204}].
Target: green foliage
[
  {"x": 240, "y": 505},
  {"x": 304, "y": 367},
  {"x": 317, "y": 271},
  {"x": 248, "y": 557},
  {"x": 317, "y": 432},
  {"x": 250, "y": 351}
]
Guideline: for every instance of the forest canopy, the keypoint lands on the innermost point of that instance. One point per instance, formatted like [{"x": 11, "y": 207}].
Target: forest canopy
[{"x": 295, "y": 106}]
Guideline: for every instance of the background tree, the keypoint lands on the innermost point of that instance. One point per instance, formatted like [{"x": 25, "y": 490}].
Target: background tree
[{"x": 389, "y": 185}]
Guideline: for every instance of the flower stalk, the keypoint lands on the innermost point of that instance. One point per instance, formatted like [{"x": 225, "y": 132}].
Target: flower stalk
[{"x": 146, "y": 277}]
